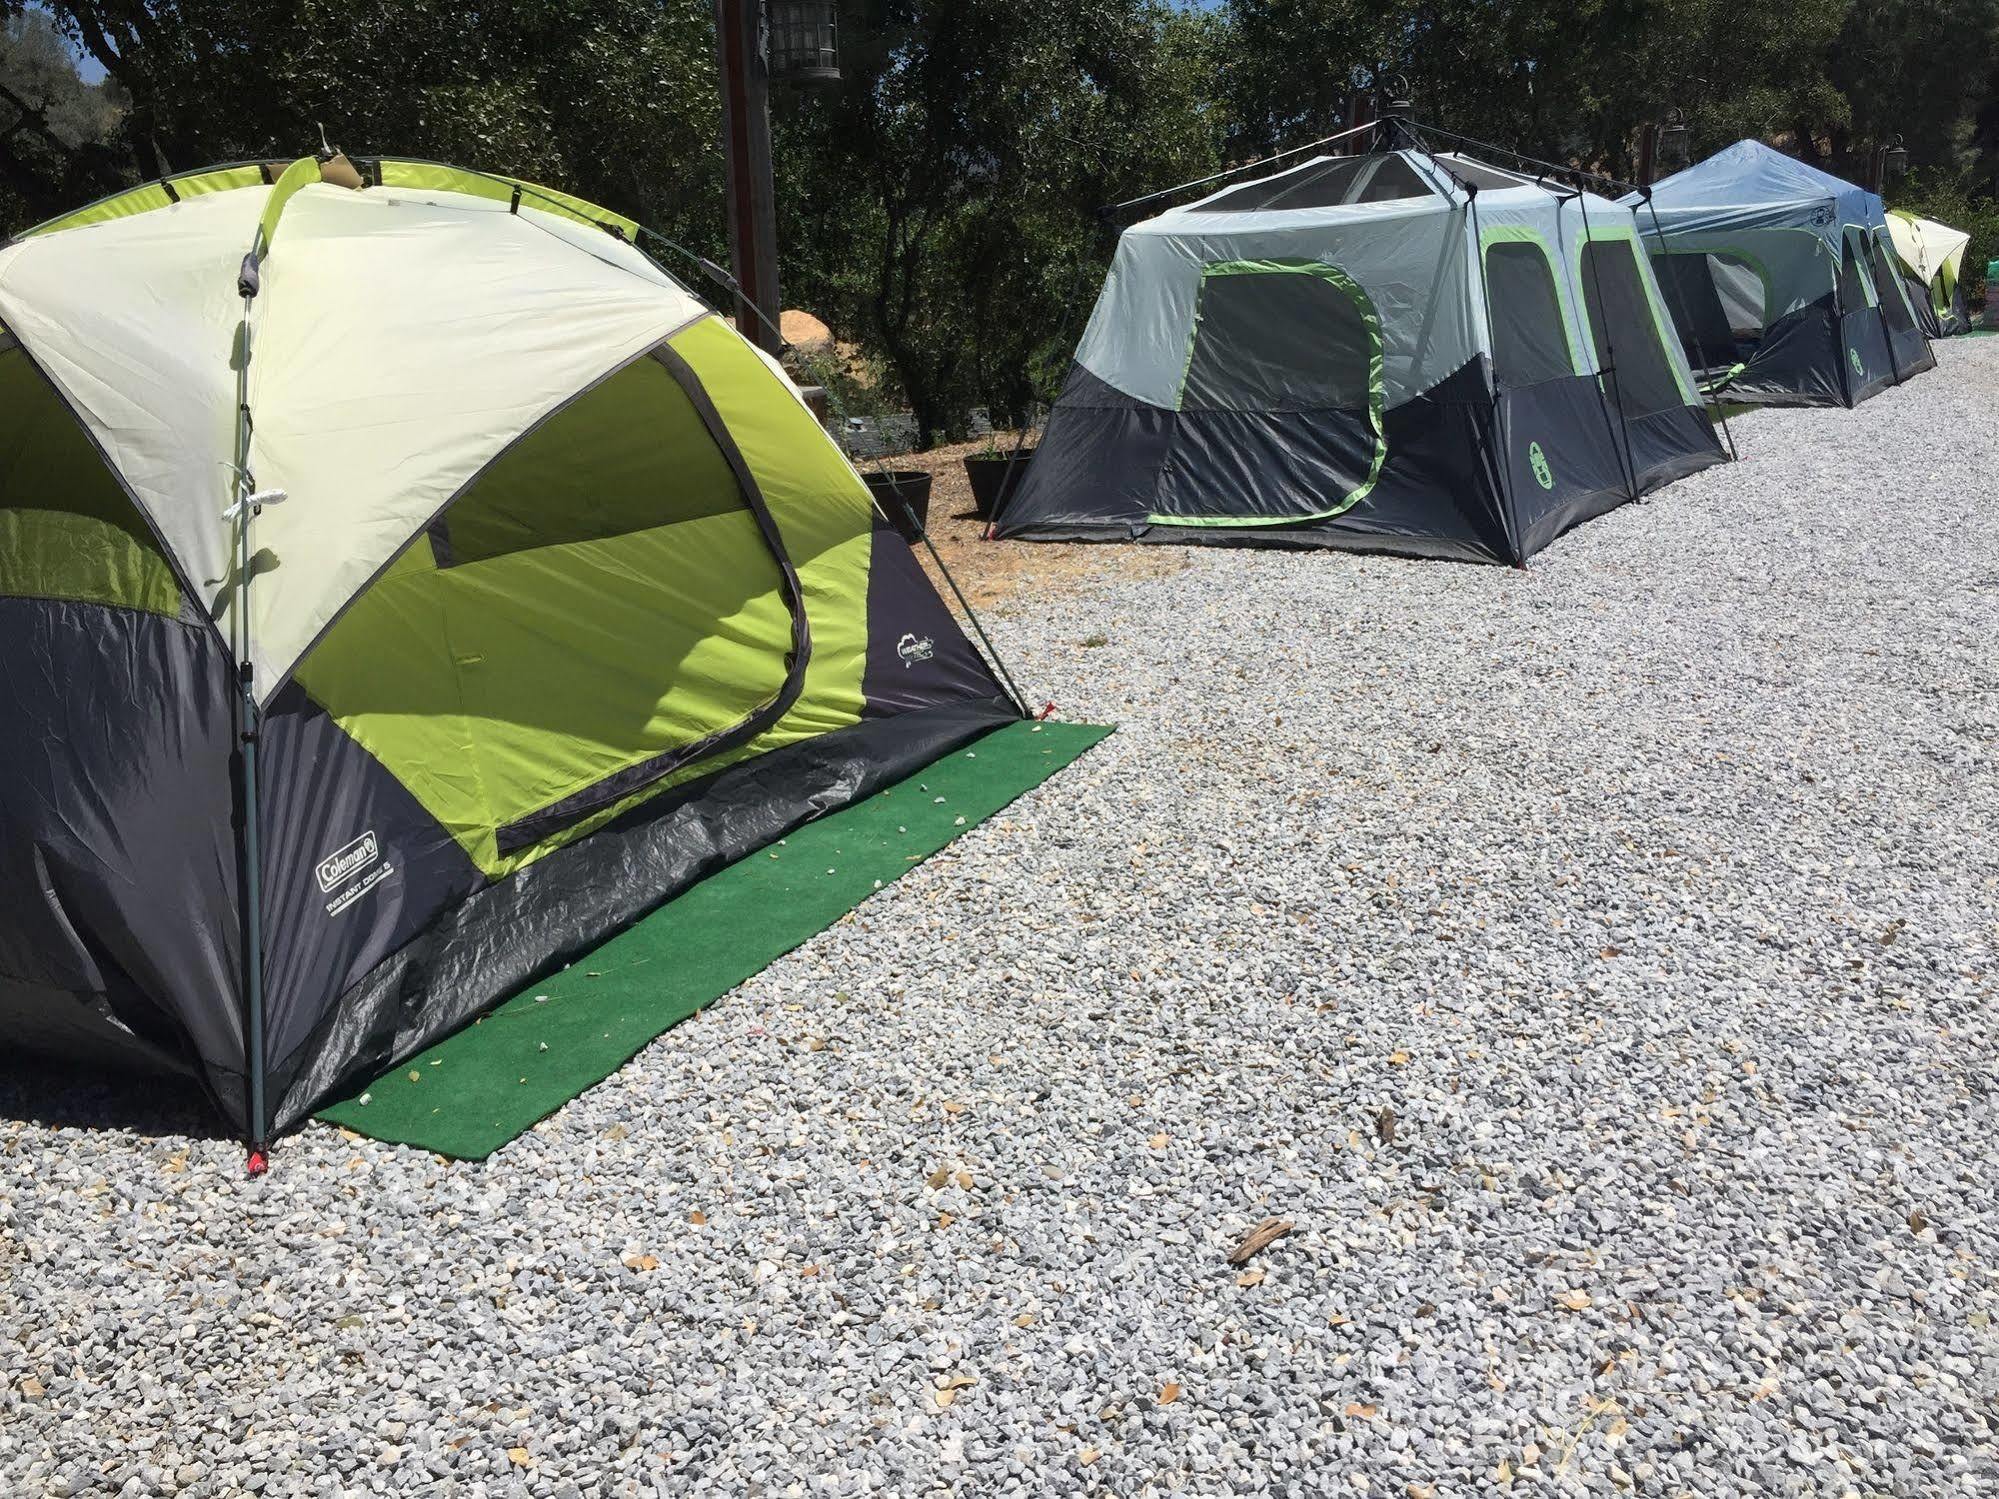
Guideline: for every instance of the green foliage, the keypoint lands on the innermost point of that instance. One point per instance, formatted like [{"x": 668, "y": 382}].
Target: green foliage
[
  {"x": 57, "y": 133},
  {"x": 938, "y": 208},
  {"x": 612, "y": 99}
]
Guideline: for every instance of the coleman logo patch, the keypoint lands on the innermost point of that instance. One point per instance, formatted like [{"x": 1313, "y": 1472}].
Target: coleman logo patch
[
  {"x": 913, "y": 650},
  {"x": 352, "y": 871},
  {"x": 1853, "y": 358},
  {"x": 1538, "y": 461},
  {"x": 338, "y": 868}
]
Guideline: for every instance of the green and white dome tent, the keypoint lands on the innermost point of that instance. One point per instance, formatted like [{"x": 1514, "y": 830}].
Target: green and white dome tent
[
  {"x": 1402, "y": 351},
  {"x": 556, "y": 598},
  {"x": 1932, "y": 259}
]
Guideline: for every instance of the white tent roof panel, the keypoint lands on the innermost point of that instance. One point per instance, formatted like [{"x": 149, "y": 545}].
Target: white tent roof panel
[{"x": 401, "y": 339}]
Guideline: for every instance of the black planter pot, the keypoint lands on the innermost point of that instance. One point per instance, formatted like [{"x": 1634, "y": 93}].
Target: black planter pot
[
  {"x": 900, "y": 488},
  {"x": 994, "y": 477}
]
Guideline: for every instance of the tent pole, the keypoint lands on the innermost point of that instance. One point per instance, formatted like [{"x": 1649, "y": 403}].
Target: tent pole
[
  {"x": 1680, "y": 305},
  {"x": 1489, "y": 418},
  {"x": 248, "y": 731},
  {"x": 1110, "y": 210}
]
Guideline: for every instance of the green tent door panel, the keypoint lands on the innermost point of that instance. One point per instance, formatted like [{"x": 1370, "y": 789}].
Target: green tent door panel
[
  {"x": 1286, "y": 338},
  {"x": 596, "y": 608}
]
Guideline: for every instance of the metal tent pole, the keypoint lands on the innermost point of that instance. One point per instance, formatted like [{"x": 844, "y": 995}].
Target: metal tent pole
[{"x": 249, "y": 727}]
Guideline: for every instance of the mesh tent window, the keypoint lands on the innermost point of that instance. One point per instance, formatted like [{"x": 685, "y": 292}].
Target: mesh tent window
[
  {"x": 1324, "y": 184},
  {"x": 1628, "y": 348},
  {"x": 1478, "y": 174},
  {"x": 1856, "y": 290},
  {"x": 1530, "y": 340},
  {"x": 1274, "y": 336},
  {"x": 1687, "y": 281},
  {"x": 1745, "y": 296},
  {"x": 68, "y": 530}
]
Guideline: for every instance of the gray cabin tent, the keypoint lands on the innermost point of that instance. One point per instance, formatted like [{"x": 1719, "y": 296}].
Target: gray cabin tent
[
  {"x": 1782, "y": 279},
  {"x": 1398, "y": 352}
]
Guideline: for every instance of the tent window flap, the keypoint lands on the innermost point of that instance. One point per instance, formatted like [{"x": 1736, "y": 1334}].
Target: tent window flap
[
  {"x": 1530, "y": 343},
  {"x": 1637, "y": 371}
]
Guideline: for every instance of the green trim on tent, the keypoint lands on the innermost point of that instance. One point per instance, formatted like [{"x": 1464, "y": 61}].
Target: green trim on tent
[
  {"x": 1865, "y": 261},
  {"x": 1722, "y": 381},
  {"x": 1524, "y": 234},
  {"x": 67, "y": 530},
  {"x": 155, "y": 195},
  {"x": 437, "y": 177},
  {"x": 1376, "y": 392},
  {"x": 390, "y": 171},
  {"x": 1884, "y": 246},
  {"x": 299, "y": 175}
]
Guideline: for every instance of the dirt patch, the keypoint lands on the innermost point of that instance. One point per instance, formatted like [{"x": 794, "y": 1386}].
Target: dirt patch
[{"x": 998, "y": 575}]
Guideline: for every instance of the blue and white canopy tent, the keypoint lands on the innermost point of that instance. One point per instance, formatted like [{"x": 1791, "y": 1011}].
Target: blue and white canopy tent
[{"x": 1782, "y": 280}]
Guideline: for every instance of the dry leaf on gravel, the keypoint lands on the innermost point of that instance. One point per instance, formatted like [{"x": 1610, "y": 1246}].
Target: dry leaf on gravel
[
  {"x": 1575, "y": 1301},
  {"x": 1263, "y": 1234},
  {"x": 641, "y": 1262},
  {"x": 1168, "y": 1393}
]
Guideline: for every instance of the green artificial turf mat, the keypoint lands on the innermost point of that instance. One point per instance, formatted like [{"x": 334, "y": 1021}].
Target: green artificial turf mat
[{"x": 479, "y": 1088}]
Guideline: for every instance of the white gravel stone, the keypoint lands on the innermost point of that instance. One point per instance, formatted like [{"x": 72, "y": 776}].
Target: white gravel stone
[{"x": 1595, "y": 965}]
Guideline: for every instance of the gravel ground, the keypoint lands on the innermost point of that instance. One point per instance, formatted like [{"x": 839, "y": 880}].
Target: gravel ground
[{"x": 1595, "y": 964}]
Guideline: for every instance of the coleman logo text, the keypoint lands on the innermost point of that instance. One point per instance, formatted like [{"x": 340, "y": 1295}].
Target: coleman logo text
[{"x": 338, "y": 868}]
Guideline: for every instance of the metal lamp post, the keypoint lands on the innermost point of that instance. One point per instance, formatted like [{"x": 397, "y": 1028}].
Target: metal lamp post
[{"x": 756, "y": 42}]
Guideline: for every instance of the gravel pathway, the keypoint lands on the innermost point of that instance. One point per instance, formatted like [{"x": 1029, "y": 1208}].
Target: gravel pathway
[{"x": 1595, "y": 965}]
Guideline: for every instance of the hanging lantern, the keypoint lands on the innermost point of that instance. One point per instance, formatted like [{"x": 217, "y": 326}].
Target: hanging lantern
[
  {"x": 804, "y": 41},
  {"x": 1673, "y": 143},
  {"x": 1895, "y": 160}
]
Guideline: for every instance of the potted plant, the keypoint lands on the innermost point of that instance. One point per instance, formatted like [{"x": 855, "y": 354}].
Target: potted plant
[
  {"x": 996, "y": 470},
  {"x": 903, "y": 495}
]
